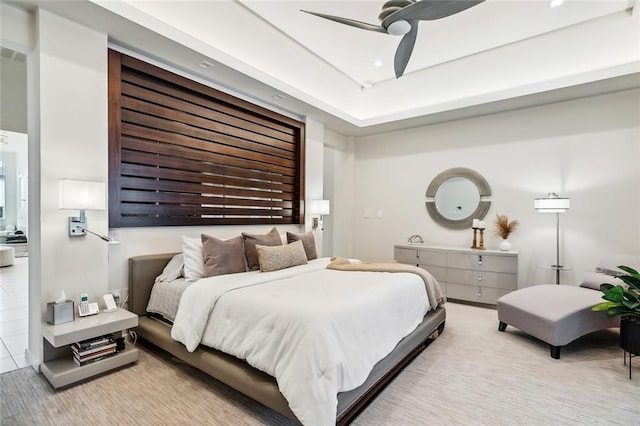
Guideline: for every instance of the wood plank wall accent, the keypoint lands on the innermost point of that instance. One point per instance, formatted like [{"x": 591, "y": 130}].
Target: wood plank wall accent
[{"x": 182, "y": 153}]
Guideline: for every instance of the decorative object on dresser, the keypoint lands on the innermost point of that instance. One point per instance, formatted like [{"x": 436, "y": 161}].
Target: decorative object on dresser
[
  {"x": 504, "y": 228},
  {"x": 455, "y": 197},
  {"x": 554, "y": 204},
  {"x": 415, "y": 239},
  {"x": 625, "y": 303},
  {"x": 465, "y": 274},
  {"x": 478, "y": 225}
]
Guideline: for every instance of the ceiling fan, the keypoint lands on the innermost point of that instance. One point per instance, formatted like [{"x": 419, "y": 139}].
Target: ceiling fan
[{"x": 401, "y": 17}]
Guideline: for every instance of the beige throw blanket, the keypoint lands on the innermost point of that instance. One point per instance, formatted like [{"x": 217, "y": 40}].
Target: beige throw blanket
[{"x": 436, "y": 297}]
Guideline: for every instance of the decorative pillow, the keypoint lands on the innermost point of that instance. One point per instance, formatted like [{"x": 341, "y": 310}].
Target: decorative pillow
[
  {"x": 593, "y": 280},
  {"x": 193, "y": 258},
  {"x": 223, "y": 256},
  {"x": 250, "y": 242},
  {"x": 173, "y": 270},
  {"x": 308, "y": 242},
  {"x": 273, "y": 258}
]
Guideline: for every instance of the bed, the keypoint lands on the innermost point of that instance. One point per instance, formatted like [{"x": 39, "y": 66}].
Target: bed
[{"x": 250, "y": 381}]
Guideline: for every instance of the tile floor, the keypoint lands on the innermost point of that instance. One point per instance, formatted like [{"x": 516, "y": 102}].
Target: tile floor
[{"x": 14, "y": 314}]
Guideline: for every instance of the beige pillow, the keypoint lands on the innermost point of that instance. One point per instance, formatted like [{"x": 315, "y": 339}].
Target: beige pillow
[
  {"x": 308, "y": 242},
  {"x": 250, "y": 242},
  {"x": 273, "y": 258},
  {"x": 223, "y": 256}
]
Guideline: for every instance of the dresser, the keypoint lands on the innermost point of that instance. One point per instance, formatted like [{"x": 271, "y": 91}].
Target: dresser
[{"x": 480, "y": 276}]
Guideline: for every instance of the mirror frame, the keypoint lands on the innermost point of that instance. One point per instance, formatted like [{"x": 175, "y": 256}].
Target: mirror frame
[{"x": 481, "y": 210}]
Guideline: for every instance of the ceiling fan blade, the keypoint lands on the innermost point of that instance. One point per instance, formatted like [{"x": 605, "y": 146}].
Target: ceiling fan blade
[
  {"x": 405, "y": 48},
  {"x": 430, "y": 10},
  {"x": 350, "y": 22}
]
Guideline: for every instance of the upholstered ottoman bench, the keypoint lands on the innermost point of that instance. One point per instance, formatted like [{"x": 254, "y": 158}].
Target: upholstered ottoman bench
[
  {"x": 7, "y": 256},
  {"x": 555, "y": 314}
]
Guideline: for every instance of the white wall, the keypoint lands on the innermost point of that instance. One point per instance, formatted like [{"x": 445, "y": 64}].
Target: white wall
[
  {"x": 70, "y": 138},
  {"x": 586, "y": 149},
  {"x": 339, "y": 188}
]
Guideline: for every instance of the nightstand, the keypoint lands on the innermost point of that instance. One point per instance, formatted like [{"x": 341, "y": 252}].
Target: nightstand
[{"x": 58, "y": 366}]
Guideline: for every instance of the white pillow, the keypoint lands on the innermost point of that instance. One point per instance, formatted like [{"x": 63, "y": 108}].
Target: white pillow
[{"x": 193, "y": 258}]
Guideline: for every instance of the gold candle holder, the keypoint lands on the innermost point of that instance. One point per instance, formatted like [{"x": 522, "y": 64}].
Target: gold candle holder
[
  {"x": 481, "y": 245},
  {"x": 475, "y": 230}
]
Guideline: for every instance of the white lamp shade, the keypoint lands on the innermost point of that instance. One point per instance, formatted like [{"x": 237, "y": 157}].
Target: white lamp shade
[
  {"x": 321, "y": 207},
  {"x": 551, "y": 205},
  {"x": 81, "y": 195}
]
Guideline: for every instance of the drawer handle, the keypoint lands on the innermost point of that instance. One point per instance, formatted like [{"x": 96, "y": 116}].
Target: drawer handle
[
  {"x": 479, "y": 276},
  {"x": 480, "y": 259},
  {"x": 479, "y": 291}
]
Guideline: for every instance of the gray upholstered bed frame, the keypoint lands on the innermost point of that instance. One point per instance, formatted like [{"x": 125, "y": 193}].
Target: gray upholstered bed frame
[{"x": 241, "y": 376}]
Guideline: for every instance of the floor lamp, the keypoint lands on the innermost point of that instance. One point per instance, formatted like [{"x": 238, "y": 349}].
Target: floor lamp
[{"x": 553, "y": 204}]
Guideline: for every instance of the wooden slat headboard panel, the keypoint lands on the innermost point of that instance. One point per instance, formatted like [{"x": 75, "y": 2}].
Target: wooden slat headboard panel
[{"x": 143, "y": 271}]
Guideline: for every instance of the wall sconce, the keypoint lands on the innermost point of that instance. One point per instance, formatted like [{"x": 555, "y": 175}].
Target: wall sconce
[
  {"x": 553, "y": 204},
  {"x": 81, "y": 195},
  {"x": 319, "y": 208}
]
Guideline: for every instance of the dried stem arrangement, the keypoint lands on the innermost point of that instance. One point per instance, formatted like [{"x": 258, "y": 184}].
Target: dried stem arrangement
[{"x": 503, "y": 227}]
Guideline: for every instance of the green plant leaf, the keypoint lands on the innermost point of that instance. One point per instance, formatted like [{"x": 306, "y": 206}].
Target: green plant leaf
[{"x": 604, "y": 306}]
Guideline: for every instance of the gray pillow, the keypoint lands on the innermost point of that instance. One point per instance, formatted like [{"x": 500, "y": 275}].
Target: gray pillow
[
  {"x": 593, "y": 280},
  {"x": 173, "y": 270},
  {"x": 308, "y": 242},
  {"x": 273, "y": 258},
  {"x": 222, "y": 256},
  {"x": 251, "y": 240}
]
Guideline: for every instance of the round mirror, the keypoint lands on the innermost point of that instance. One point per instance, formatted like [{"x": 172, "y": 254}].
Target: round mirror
[{"x": 456, "y": 198}]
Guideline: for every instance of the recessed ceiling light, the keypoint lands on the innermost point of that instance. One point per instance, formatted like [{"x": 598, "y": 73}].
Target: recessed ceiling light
[
  {"x": 554, "y": 3},
  {"x": 378, "y": 63},
  {"x": 279, "y": 97},
  {"x": 206, "y": 64}
]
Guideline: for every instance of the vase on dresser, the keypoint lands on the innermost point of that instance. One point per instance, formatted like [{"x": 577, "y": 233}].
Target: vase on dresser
[{"x": 505, "y": 245}]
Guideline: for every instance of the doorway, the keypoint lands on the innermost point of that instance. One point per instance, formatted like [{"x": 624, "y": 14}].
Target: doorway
[{"x": 14, "y": 210}]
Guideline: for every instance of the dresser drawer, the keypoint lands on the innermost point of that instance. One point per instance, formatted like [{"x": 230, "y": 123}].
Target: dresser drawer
[
  {"x": 486, "y": 262},
  {"x": 438, "y": 272},
  {"x": 404, "y": 255},
  {"x": 432, "y": 258},
  {"x": 419, "y": 256},
  {"x": 475, "y": 294},
  {"x": 482, "y": 278}
]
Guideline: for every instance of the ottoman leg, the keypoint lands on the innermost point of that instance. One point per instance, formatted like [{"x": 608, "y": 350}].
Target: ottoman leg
[
  {"x": 555, "y": 351},
  {"x": 502, "y": 326}
]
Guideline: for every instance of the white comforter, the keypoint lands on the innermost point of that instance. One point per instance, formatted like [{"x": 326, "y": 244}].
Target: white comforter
[{"x": 317, "y": 331}]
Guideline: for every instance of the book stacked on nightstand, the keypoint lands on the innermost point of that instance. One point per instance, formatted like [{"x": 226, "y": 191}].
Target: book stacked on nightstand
[{"x": 96, "y": 349}]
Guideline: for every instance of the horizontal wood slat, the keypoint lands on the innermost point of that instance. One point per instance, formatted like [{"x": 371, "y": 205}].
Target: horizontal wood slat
[
  {"x": 135, "y": 196},
  {"x": 269, "y": 127},
  {"x": 184, "y": 154},
  {"x": 142, "y": 221}
]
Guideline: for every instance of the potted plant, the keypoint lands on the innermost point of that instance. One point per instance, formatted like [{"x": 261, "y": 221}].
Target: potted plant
[
  {"x": 626, "y": 303},
  {"x": 503, "y": 229}
]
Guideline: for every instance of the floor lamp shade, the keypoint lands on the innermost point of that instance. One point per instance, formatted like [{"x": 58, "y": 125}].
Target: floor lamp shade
[{"x": 551, "y": 204}]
